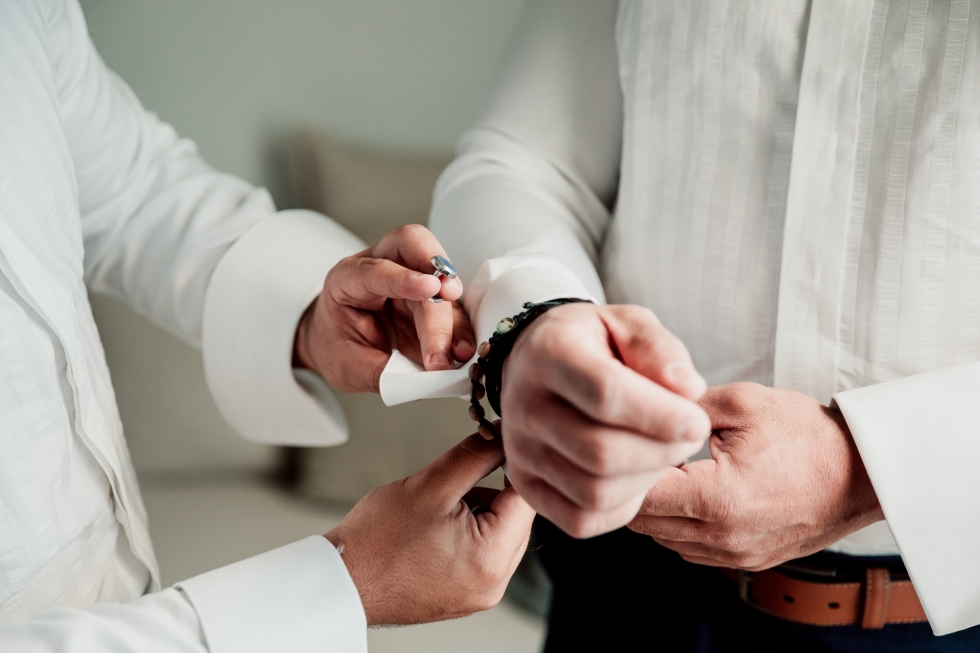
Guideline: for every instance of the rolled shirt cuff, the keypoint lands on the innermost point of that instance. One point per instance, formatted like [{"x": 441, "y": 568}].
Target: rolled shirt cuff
[
  {"x": 254, "y": 301},
  {"x": 298, "y": 598},
  {"x": 918, "y": 438}
]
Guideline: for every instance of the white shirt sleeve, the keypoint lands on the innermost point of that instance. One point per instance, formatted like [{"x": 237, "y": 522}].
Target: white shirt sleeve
[
  {"x": 919, "y": 438},
  {"x": 534, "y": 179},
  {"x": 200, "y": 253},
  {"x": 297, "y": 598}
]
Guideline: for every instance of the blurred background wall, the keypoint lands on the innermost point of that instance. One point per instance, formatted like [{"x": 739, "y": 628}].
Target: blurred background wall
[{"x": 243, "y": 78}]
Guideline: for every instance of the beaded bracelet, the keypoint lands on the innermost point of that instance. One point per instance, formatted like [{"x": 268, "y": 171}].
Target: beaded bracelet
[{"x": 491, "y": 357}]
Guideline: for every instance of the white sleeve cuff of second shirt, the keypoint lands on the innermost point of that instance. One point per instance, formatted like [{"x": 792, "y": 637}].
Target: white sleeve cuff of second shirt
[
  {"x": 503, "y": 285},
  {"x": 255, "y": 299},
  {"x": 297, "y": 598},
  {"x": 919, "y": 439}
]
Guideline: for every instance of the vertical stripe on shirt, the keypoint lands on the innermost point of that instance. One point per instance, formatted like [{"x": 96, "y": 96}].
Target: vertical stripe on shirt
[
  {"x": 940, "y": 183},
  {"x": 867, "y": 102},
  {"x": 676, "y": 146},
  {"x": 887, "y": 288},
  {"x": 705, "y": 163}
]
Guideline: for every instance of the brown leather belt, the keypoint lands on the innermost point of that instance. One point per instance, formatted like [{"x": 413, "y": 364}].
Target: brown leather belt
[{"x": 876, "y": 601}]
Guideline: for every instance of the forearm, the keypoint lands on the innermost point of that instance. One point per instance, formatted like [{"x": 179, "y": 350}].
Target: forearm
[
  {"x": 500, "y": 198},
  {"x": 501, "y": 207},
  {"x": 164, "y": 621},
  {"x": 538, "y": 174}
]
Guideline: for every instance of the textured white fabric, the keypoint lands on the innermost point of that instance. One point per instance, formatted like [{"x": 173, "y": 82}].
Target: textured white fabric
[
  {"x": 934, "y": 417},
  {"x": 255, "y": 299},
  {"x": 94, "y": 189},
  {"x": 794, "y": 189},
  {"x": 284, "y": 586},
  {"x": 298, "y": 615}
]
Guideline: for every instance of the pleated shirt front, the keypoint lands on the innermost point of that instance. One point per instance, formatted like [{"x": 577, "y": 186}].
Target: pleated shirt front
[{"x": 800, "y": 189}]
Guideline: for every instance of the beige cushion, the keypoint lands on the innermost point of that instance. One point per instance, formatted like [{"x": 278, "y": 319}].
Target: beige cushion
[{"x": 368, "y": 191}]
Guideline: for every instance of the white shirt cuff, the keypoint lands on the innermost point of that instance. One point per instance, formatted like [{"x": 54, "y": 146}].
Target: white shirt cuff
[
  {"x": 503, "y": 285},
  {"x": 296, "y": 598},
  {"x": 918, "y": 438},
  {"x": 254, "y": 301}
]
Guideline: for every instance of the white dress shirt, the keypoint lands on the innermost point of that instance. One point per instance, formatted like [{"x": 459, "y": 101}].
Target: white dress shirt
[
  {"x": 793, "y": 188},
  {"x": 95, "y": 190}
]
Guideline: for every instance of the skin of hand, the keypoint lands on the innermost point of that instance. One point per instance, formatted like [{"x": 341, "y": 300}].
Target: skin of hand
[
  {"x": 376, "y": 301},
  {"x": 416, "y": 551},
  {"x": 597, "y": 402},
  {"x": 784, "y": 481}
]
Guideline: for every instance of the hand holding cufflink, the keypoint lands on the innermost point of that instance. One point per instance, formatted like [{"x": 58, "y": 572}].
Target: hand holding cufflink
[{"x": 381, "y": 299}]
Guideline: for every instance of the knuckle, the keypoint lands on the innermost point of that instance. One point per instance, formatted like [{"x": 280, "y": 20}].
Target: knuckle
[
  {"x": 596, "y": 496},
  {"x": 487, "y": 572},
  {"x": 410, "y": 231},
  {"x": 600, "y": 458},
  {"x": 579, "y": 525},
  {"x": 599, "y": 391},
  {"x": 741, "y": 559},
  {"x": 741, "y": 398},
  {"x": 476, "y": 447},
  {"x": 438, "y": 329},
  {"x": 729, "y": 541},
  {"x": 666, "y": 347},
  {"x": 366, "y": 267},
  {"x": 637, "y": 314}
]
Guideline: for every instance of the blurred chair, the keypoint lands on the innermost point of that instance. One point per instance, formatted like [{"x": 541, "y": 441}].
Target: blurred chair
[{"x": 368, "y": 191}]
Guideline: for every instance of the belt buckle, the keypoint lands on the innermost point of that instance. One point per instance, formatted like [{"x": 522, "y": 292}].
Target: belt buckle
[
  {"x": 744, "y": 582},
  {"x": 745, "y": 579}
]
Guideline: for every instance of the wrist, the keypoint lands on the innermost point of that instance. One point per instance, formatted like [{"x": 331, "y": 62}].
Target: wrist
[
  {"x": 355, "y": 570},
  {"x": 865, "y": 507},
  {"x": 495, "y": 353},
  {"x": 302, "y": 354}
]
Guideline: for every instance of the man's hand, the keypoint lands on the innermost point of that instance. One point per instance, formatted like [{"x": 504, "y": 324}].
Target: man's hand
[
  {"x": 597, "y": 402},
  {"x": 376, "y": 301},
  {"x": 785, "y": 480},
  {"x": 416, "y": 551}
]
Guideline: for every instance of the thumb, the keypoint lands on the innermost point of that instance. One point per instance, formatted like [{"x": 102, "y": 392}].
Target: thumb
[
  {"x": 366, "y": 374},
  {"x": 510, "y": 516},
  {"x": 689, "y": 491},
  {"x": 455, "y": 472},
  {"x": 647, "y": 347}
]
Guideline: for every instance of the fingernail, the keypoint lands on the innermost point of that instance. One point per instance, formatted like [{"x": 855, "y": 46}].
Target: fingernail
[
  {"x": 464, "y": 349},
  {"x": 683, "y": 376},
  {"x": 439, "y": 360}
]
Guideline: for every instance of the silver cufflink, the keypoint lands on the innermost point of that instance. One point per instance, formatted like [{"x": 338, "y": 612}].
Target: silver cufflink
[{"x": 443, "y": 269}]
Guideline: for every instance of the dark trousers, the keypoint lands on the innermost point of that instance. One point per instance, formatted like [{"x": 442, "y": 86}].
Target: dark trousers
[{"x": 624, "y": 592}]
